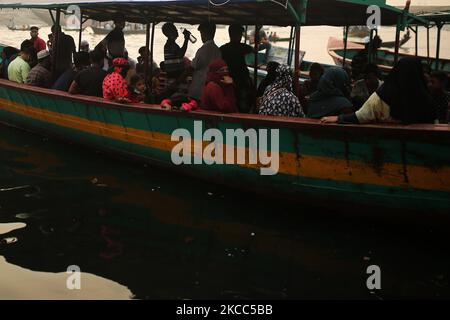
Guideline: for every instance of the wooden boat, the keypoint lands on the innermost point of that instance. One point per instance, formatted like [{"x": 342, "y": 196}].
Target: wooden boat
[
  {"x": 391, "y": 44},
  {"x": 385, "y": 57},
  {"x": 401, "y": 168}
]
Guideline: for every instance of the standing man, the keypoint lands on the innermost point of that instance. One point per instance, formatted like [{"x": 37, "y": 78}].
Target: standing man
[
  {"x": 234, "y": 54},
  {"x": 38, "y": 43},
  {"x": 203, "y": 58},
  {"x": 115, "y": 40},
  {"x": 19, "y": 68},
  {"x": 66, "y": 50}
]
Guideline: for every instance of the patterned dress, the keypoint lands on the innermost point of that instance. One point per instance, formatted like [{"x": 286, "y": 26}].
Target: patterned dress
[
  {"x": 115, "y": 86},
  {"x": 279, "y": 99}
]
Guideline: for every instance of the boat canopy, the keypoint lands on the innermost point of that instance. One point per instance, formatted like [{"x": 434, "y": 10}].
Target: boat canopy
[
  {"x": 437, "y": 17},
  {"x": 249, "y": 12}
]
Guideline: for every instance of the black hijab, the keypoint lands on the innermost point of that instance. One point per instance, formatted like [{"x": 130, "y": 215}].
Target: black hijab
[{"x": 405, "y": 91}]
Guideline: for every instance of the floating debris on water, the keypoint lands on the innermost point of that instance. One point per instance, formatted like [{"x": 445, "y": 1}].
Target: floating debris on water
[{"x": 9, "y": 240}]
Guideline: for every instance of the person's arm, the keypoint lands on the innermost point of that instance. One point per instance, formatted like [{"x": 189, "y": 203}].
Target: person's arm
[
  {"x": 73, "y": 88},
  {"x": 25, "y": 70},
  {"x": 183, "y": 49},
  {"x": 224, "y": 103},
  {"x": 199, "y": 61}
]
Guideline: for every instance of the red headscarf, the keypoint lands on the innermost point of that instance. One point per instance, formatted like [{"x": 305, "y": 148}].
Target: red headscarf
[
  {"x": 119, "y": 63},
  {"x": 217, "y": 70}
]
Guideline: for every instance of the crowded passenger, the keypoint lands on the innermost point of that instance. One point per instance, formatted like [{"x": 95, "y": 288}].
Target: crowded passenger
[
  {"x": 279, "y": 99},
  {"x": 332, "y": 96},
  {"x": 115, "y": 87},
  {"x": 173, "y": 54},
  {"x": 89, "y": 82},
  {"x": 81, "y": 62},
  {"x": 268, "y": 79},
  {"x": 403, "y": 98},
  {"x": 8, "y": 54},
  {"x": 66, "y": 50},
  {"x": 38, "y": 43},
  {"x": 114, "y": 42},
  {"x": 140, "y": 67},
  {"x": 19, "y": 67},
  {"x": 234, "y": 54},
  {"x": 316, "y": 71},
  {"x": 438, "y": 84},
  {"x": 361, "y": 59},
  {"x": 363, "y": 89},
  {"x": 41, "y": 76},
  {"x": 137, "y": 89},
  {"x": 84, "y": 46},
  {"x": 203, "y": 58},
  {"x": 218, "y": 94}
]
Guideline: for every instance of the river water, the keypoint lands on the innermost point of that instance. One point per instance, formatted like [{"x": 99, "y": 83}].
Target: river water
[{"x": 138, "y": 232}]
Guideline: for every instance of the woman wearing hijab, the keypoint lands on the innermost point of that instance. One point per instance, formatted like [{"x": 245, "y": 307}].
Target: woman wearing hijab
[
  {"x": 402, "y": 98},
  {"x": 218, "y": 94},
  {"x": 115, "y": 86},
  {"x": 332, "y": 95},
  {"x": 279, "y": 99}
]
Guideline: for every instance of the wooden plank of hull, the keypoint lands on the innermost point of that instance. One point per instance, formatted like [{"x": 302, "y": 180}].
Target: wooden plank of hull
[{"x": 400, "y": 167}]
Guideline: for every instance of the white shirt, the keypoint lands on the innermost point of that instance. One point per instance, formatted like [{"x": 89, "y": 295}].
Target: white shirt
[{"x": 203, "y": 58}]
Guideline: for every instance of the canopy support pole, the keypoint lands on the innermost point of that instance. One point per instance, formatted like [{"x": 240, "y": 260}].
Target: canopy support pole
[
  {"x": 397, "y": 41},
  {"x": 417, "y": 40},
  {"x": 428, "y": 45},
  {"x": 80, "y": 32},
  {"x": 55, "y": 43},
  {"x": 346, "y": 29},
  {"x": 246, "y": 34},
  {"x": 438, "y": 43},
  {"x": 297, "y": 61},
  {"x": 151, "y": 71},
  {"x": 52, "y": 16},
  {"x": 289, "y": 58},
  {"x": 255, "y": 63},
  {"x": 146, "y": 57},
  {"x": 370, "y": 56}
]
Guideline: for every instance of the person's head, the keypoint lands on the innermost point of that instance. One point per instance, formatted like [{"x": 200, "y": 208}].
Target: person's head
[
  {"x": 81, "y": 60},
  {"x": 44, "y": 59},
  {"x": 97, "y": 58},
  {"x": 84, "y": 46},
  {"x": 371, "y": 70},
  {"x": 119, "y": 22},
  {"x": 170, "y": 31},
  {"x": 121, "y": 66},
  {"x": 56, "y": 29},
  {"x": 438, "y": 82},
  {"x": 426, "y": 71},
  {"x": 217, "y": 70},
  {"x": 235, "y": 31},
  {"x": 137, "y": 83},
  {"x": 34, "y": 32},
  {"x": 316, "y": 71},
  {"x": 283, "y": 77},
  {"x": 26, "y": 49},
  {"x": 207, "y": 31},
  {"x": 335, "y": 82}
]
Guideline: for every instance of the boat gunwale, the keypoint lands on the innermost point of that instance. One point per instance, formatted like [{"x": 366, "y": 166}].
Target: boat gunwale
[{"x": 439, "y": 131}]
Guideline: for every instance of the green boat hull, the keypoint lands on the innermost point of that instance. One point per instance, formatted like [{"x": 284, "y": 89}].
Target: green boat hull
[{"x": 395, "y": 167}]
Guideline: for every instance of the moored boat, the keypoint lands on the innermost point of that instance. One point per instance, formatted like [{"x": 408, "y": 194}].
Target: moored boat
[{"x": 385, "y": 58}]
